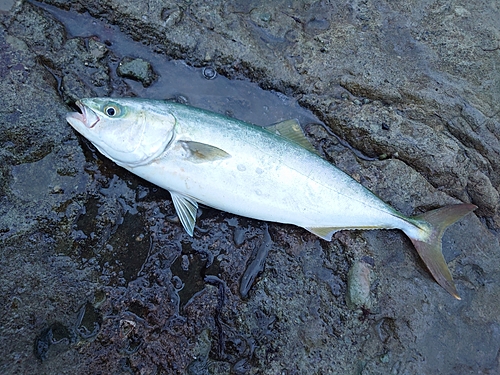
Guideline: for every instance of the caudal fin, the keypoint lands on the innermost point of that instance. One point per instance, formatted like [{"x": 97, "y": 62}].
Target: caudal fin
[{"x": 429, "y": 245}]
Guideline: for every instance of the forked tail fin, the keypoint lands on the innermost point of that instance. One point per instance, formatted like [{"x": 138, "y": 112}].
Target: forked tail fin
[{"x": 429, "y": 245}]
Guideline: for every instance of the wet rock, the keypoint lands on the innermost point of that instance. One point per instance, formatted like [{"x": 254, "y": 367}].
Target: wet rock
[
  {"x": 41, "y": 33},
  {"x": 75, "y": 88},
  {"x": 256, "y": 265},
  {"x": 136, "y": 69},
  {"x": 171, "y": 16},
  {"x": 484, "y": 193},
  {"x": 66, "y": 234},
  {"x": 97, "y": 49},
  {"x": 316, "y": 26},
  {"x": 55, "y": 338}
]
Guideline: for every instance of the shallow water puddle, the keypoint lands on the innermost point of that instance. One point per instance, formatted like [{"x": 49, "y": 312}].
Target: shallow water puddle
[{"x": 200, "y": 87}]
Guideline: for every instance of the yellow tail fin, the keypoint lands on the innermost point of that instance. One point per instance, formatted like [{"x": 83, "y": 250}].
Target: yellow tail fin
[{"x": 429, "y": 247}]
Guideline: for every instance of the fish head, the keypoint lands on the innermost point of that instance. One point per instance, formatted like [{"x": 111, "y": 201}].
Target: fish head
[{"x": 131, "y": 132}]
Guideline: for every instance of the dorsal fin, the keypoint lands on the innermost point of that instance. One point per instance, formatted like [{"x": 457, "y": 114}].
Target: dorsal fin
[{"x": 291, "y": 130}]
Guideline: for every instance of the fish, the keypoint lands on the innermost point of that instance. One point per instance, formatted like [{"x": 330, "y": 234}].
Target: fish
[{"x": 269, "y": 173}]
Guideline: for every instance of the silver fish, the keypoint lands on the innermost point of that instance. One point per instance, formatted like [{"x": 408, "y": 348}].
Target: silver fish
[{"x": 270, "y": 174}]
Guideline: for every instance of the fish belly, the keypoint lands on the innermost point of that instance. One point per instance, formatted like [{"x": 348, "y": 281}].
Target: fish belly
[{"x": 295, "y": 188}]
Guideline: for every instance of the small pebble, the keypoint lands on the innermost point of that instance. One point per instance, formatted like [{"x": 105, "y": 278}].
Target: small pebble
[
  {"x": 358, "y": 285},
  {"x": 137, "y": 69}
]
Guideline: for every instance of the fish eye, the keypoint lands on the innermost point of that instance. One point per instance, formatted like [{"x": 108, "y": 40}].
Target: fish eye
[{"x": 112, "y": 110}]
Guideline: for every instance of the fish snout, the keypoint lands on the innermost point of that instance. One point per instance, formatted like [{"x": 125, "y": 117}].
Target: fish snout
[{"x": 87, "y": 118}]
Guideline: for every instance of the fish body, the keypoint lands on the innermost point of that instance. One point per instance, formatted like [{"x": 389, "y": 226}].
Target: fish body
[{"x": 203, "y": 157}]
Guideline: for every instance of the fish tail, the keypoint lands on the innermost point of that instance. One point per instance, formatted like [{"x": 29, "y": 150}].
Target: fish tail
[{"x": 432, "y": 225}]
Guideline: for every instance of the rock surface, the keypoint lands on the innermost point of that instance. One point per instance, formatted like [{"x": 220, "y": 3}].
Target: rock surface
[{"x": 99, "y": 277}]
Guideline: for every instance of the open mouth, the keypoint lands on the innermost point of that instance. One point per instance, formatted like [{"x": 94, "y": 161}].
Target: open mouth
[{"x": 87, "y": 117}]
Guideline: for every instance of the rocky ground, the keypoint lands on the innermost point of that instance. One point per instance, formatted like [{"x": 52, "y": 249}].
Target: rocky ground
[{"x": 97, "y": 275}]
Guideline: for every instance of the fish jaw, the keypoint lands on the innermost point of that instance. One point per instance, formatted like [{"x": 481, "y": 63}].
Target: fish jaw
[{"x": 87, "y": 119}]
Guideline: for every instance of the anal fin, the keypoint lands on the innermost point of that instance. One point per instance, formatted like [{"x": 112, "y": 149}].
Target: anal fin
[{"x": 325, "y": 233}]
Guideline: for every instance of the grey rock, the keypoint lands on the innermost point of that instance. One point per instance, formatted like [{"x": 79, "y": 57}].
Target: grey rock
[{"x": 413, "y": 82}]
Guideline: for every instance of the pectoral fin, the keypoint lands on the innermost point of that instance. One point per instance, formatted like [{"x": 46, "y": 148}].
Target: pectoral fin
[
  {"x": 325, "y": 233},
  {"x": 291, "y": 130},
  {"x": 202, "y": 152},
  {"x": 186, "y": 209}
]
